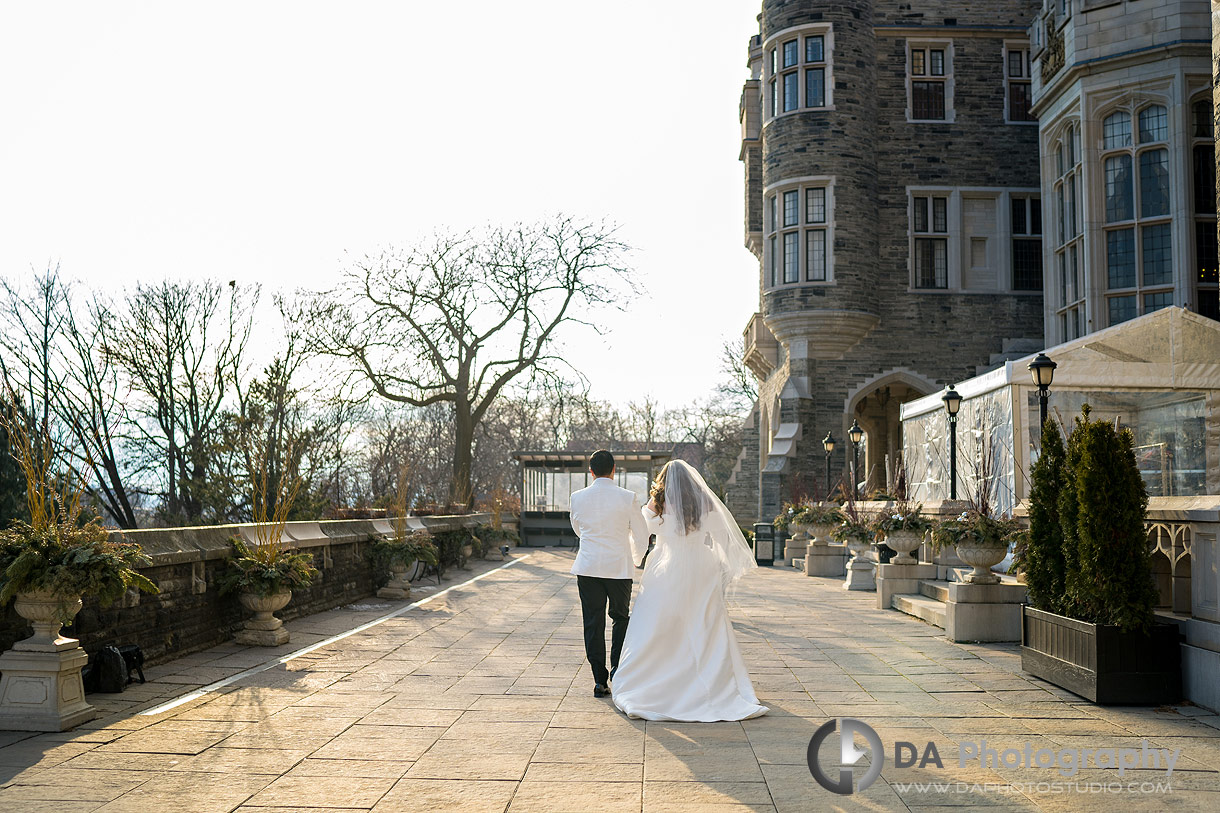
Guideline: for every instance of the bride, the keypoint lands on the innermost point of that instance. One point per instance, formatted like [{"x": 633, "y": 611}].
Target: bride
[{"x": 680, "y": 659}]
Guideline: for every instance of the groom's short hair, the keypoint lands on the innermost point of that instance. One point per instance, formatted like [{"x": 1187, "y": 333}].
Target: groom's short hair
[{"x": 601, "y": 463}]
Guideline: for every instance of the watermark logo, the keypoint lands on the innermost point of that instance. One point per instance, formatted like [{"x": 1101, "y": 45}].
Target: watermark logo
[
  {"x": 1068, "y": 762},
  {"x": 849, "y": 756}
]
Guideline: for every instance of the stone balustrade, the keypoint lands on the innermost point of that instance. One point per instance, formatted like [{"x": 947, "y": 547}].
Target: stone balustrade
[
  {"x": 1182, "y": 532},
  {"x": 189, "y": 614}
]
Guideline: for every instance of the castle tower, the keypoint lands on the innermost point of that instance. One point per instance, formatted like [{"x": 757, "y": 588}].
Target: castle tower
[{"x": 892, "y": 201}]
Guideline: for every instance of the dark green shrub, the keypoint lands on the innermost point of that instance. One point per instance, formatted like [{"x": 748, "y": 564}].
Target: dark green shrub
[
  {"x": 1110, "y": 581},
  {"x": 69, "y": 560},
  {"x": 265, "y": 569},
  {"x": 1041, "y": 555},
  {"x": 403, "y": 551},
  {"x": 449, "y": 548}
]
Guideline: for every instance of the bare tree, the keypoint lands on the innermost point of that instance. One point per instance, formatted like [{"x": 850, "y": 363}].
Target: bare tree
[
  {"x": 738, "y": 384},
  {"x": 182, "y": 347},
  {"x": 456, "y": 319},
  {"x": 53, "y": 350}
]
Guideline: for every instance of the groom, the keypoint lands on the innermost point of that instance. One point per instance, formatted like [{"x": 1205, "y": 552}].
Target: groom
[{"x": 613, "y": 537}]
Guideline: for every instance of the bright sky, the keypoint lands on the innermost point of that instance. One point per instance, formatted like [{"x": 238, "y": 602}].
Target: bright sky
[{"x": 261, "y": 141}]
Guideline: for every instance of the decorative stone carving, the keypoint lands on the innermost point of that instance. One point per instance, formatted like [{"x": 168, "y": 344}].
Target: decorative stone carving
[{"x": 821, "y": 334}]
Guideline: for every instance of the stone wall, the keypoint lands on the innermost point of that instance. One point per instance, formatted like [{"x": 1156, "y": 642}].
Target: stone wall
[
  {"x": 189, "y": 614},
  {"x": 869, "y": 324}
]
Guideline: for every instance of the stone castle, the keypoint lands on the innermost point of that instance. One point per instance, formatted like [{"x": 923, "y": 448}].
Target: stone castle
[{"x": 898, "y": 159}]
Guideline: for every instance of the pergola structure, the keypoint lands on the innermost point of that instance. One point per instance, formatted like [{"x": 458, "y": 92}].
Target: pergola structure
[{"x": 549, "y": 478}]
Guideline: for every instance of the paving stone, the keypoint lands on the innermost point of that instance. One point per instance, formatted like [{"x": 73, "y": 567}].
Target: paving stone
[
  {"x": 243, "y": 760},
  {"x": 62, "y": 784},
  {"x": 456, "y": 765},
  {"x": 483, "y": 700},
  {"x": 588, "y": 797},
  {"x": 34, "y": 806},
  {"x": 189, "y": 793},
  {"x": 336, "y": 791},
  {"x": 452, "y": 796},
  {"x": 581, "y": 772}
]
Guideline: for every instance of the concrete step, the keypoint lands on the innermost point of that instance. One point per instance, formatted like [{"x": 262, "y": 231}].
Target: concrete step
[
  {"x": 935, "y": 590},
  {"x": 928, "y": 609},
  {"x": 1023, "y": 346}
]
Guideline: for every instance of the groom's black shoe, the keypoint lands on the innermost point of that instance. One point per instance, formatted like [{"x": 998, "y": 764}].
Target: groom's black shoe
[{"x": 600, "y": 690}]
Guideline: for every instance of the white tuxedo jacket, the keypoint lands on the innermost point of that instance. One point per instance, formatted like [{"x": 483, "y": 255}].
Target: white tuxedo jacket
[{"x": 612, "y": 531}]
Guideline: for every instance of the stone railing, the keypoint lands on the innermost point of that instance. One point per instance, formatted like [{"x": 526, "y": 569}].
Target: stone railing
[
  {"x": 189, "y": 613},
  {"x": 1183, "y": 532}
]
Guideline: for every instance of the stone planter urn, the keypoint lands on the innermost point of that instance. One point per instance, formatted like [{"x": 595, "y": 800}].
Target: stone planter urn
[
  {"x": 861, "y": 573},
  {"x": 264, "y": 629},
  {"x": 981, "y": 558},
  {"x": 820, "y": 534},
  {"x": 796, "y": 544},
  {"x": 399, "y": 586},
  {"x": 467, "y": 550},
  {"x": 40, "y": 679},
  {"x": 903, "y": 543}
]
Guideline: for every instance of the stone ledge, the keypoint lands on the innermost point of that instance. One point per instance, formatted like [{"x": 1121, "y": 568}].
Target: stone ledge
[{"x": 173, "y": 546}]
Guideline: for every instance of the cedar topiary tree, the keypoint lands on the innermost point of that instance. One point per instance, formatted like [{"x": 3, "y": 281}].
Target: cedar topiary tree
[
  {"x": 1111, "y": 580},
  {"x": 1042, "y": 555},
  {"x": 1068, "y": 506}
]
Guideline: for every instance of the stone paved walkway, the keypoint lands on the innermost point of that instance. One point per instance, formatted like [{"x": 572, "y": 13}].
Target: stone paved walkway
[{"x": 480, "y": 701}]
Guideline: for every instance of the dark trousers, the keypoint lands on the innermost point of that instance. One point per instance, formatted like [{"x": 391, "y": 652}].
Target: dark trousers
[{"x": 594, "y": 594}]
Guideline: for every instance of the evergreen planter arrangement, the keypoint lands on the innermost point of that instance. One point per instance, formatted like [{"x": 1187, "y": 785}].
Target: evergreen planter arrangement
[
  {"x": 47, "y": 565},
  {"x": 264, "y": 576},
  {"x": 819, "y": 520},
  {"x": 902, "y": 530},
  {"x": 980, "y": 540},
  {"x": 265, "y": 572},
  {"x": 396, "y": 556},
  {"x": 497, "y": 537},
  {"x": 856, "y": 533},
  {"x": 1090, "y": 628}
]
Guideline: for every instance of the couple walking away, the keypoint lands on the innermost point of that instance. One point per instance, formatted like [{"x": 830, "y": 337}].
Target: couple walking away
[{"x": 678, "y": 659}]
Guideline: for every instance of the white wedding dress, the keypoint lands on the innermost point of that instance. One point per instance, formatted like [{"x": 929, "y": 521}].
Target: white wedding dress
[{"x": 680, "y": 659}]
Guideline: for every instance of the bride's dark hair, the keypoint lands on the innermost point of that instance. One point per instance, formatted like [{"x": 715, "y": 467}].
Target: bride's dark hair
[{"x": 693, "y": 507}]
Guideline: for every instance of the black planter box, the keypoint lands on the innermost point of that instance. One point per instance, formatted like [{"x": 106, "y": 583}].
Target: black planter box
[{"x": 1101, "y": 663}]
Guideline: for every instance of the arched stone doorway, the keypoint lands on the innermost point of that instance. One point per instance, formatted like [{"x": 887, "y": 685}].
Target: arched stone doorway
[{"x": 877, "y": 405}]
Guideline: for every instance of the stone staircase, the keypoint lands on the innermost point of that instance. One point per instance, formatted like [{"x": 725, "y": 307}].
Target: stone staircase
[
  {"x": 966, "y": 612},
  {"x": 1010, "y": 350},
  {"x": 928, "y": 605}
]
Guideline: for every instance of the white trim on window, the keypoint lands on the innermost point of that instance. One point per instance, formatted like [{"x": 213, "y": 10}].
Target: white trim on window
[
  {"x": 929, "y": 63},
  {"x": 1018, "y": 72},
  {"x": 798, "y": 71},
  {"x": 977, "y": 254},
  {"x": 799, "y": 228}
]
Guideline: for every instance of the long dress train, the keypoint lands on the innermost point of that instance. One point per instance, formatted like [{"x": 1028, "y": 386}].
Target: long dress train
[{"x": 681, "y": 660}]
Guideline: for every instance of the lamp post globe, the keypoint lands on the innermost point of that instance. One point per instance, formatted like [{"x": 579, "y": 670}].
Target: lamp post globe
[
  {"x": 953, "y": 401},
  {"x": 1042, "y": 370}
]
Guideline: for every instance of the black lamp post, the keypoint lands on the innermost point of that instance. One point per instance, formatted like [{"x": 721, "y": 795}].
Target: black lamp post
[
  {"x": 953, "y": 402},
  {"x": 828, "y": 443},
  {"x": 1043, "y": 371},
  {"x": 856, "y": 434}
]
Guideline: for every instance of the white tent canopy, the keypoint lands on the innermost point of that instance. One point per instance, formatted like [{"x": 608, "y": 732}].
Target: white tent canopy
[{"x": 1159, "y": 375}]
